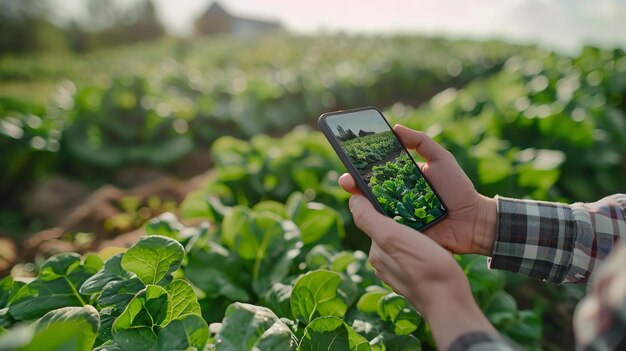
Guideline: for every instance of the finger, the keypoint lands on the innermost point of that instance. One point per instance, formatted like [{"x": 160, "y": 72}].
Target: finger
[
  {"x": 348, "y": 184},
  {"x": 374, "y": 257},
  {"x": 384, "y": 231},
  {"x": 380, "y": 259},
  {"x": 378, "y": 262},
  {"x": 421, "y": 165},
  {"x": 370, "y": 221},
  {"x": 422, "y": 143},
  {"x": 386, "y": 269}
]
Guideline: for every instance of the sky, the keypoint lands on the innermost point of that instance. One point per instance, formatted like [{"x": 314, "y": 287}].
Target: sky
[
  {"x": 557, "y": 24},
  {"x": 368, "y": 120}
]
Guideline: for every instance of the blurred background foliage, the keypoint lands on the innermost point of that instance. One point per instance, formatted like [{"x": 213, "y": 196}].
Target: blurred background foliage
[{"x": 111, "y": 98}]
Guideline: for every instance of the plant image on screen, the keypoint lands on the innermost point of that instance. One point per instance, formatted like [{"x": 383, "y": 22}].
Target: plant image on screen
[{"x": 392, "y": 176}]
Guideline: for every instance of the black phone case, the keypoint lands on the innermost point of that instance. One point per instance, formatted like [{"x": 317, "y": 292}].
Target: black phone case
[{"x": 365, "y": 190}]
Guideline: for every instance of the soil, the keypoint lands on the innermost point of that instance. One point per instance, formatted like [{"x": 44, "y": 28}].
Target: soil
[
  {"x": 69, "y": 208},
  {"x": 367, "y": 174}
]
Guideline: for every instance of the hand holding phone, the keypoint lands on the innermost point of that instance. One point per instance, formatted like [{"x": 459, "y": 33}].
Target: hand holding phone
[
  {"x": 382, "y": 168},
  {"x": 413, "y": 265},
  {"x": 471, "y": 221}
]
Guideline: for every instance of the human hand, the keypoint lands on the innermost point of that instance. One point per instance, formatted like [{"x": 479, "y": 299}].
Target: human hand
[
  {"x": 470, "y": 225},
  {"x": 421, "y": 270}
]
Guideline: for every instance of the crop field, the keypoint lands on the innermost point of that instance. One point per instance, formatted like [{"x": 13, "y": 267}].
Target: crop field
[
  {"x": 393, "y": 178},
  {"x": 261, "y": 252},
  {"x": 368, "y": 151},
  {"x": 404, "y": 194}
]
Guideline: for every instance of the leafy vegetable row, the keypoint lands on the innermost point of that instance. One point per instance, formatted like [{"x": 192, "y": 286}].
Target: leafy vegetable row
[
  {"x": 274, "y": 277},
  {"x": 366, "y": 151},
  {"x": 155, "y": 104},
  {"x": 403, "y": 193},
  {"x": 546, "y": 126}
]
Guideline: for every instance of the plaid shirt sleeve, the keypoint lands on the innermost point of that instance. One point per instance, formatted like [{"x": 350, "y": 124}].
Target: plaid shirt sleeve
[
  {"x": 557, "y": 242},
  {"x": 565, "y": 243}
]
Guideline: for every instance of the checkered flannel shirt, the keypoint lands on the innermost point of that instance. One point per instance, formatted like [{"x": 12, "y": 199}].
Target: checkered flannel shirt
[{"x": 566, "y": 243}]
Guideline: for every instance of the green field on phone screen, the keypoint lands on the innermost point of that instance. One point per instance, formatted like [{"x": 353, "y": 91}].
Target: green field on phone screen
[{"x": 392, "y": 176}]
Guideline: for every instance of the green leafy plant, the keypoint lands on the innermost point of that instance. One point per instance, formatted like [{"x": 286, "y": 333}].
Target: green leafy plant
[
  {"x": 393, "y": 178},
  {"x": 249, "y": 275},
  {"x": 404, "y": 194}
]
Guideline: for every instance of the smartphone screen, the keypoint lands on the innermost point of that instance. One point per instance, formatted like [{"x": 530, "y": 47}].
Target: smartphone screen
[{"x": 382, "y": 168}]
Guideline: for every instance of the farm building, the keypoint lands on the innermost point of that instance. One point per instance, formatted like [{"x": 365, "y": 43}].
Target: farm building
[{"x": 216, "y": 20}]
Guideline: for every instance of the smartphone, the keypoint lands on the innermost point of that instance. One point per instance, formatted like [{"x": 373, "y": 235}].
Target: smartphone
[{"x": 382, "y": 168}]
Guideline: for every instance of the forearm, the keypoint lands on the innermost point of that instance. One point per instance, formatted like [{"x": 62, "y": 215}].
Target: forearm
[
  {"x": 449, "y": 319},
  {"x": 458, "y": 324}
]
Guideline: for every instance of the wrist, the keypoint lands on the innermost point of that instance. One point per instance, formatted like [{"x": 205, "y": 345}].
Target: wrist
[
  {"x": 453, "y": 315},
  {"x": 484, "y": 231}
]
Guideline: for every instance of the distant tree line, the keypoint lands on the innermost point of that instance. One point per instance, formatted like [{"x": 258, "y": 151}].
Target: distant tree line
[
  {"x": 28, "y": 25},
  {"x": 349, "y": 134},
  {"x": 345, "y": 134}
]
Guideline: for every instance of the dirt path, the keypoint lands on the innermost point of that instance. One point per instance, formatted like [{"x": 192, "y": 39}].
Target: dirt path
[{"x": 367, "y": 174}]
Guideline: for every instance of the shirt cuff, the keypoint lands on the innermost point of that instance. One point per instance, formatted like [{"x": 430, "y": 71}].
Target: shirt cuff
[
  {"x": 481, "y": 341},
  {"x": 534, "y": 238}
]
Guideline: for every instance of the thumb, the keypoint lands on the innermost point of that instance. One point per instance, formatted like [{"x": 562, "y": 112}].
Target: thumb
[
  {"x": 370, "y": 221},
  {"x": 422, "y": 143}
]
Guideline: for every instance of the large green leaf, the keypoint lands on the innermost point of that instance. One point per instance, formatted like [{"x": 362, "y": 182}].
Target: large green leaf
[
  {"x": 249, "y": 327},
  {"x": 135, "y": 328},
  {"x": 204, "y": 205},
  {"x": 17, "y": 338},
  {"x": 153, "y": 258},
  {"x": 320, "y": 257},
  {"x": 277, "y": 298},
  {"x": 183, "y": 333},
  {"x": 368, "y": 325},
  {"x": 111, "y": 271},
  {"x": 6, "y": 285},
  {"x": 523, "y": 327},
  {"x": 61, "y": 336},
  {"x": 387, "y": 341},
  {"x": 56, "y": 286},
  {"x": 395, "y": 309},
  {"x": 183, "y": 298},
  {"x": 168, "y": 225},
  {"x": 315, "y": 294},
  {"x": 368, "y": 302},
  {"x": 64, "y": 329},
  {"x": 265, "y": 240},
  {"x": 274, "y": 207},
  {"x": 108, "y": 346},
  {"x": 331, "y": 334},
  {"x": 8, "y": 289},
  {"x": 6, "y": 320},
  {"x": 274, "y": 262},
  {"x": 108, "y": 315},
  {"x": 119, "y": 293},
  {"x": 86, "y": 320},
  {"x": 216, "y": 271},
  {"x": 484, "y": 282},
  {"x": 318, "y": 223}
]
